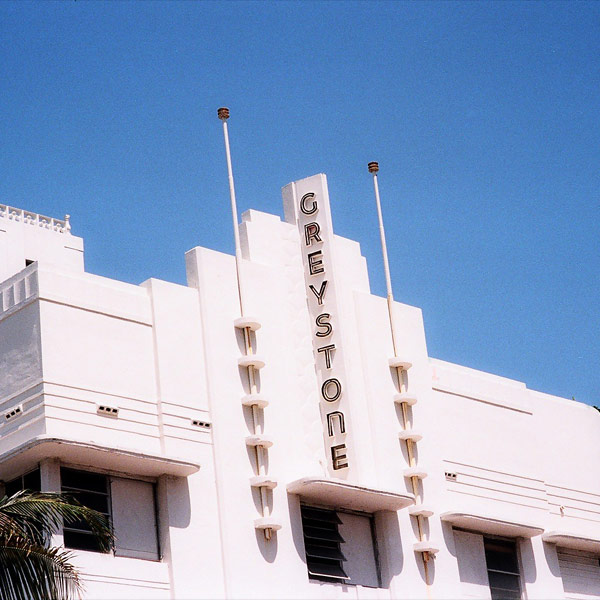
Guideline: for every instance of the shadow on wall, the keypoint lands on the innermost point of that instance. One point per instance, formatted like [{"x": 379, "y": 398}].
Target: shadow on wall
[
  {"x": 528, "y": 567},
  {"x": 550, "y": 552},
  {"x": 268, "y": 549},
  {"x": 179, "y": 503},
  {"x": 296, "y": 525},
  {"x": 448, "y": 534},
  {"x": 391, "y": 557}
]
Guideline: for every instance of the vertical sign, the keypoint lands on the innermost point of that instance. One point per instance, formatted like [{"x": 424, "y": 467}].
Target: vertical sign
[{"x": 308, "y": 206}]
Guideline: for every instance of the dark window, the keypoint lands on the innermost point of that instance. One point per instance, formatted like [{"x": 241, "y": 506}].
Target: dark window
[
  {"x": 503, "y": 569},
  {"x": 30, "y": 481},
  {"x": 340, "y": 546},
  {"x": 91, "y": 490},
  {"x": 322, "y": 543}
]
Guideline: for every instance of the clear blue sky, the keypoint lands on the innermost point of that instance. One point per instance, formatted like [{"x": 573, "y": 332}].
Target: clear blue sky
[{"x": 484, "y": 118}]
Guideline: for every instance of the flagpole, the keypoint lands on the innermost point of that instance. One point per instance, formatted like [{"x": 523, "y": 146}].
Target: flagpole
[
  {"x": 223, "y": 114},
  {"x": 374, "y": 169}
]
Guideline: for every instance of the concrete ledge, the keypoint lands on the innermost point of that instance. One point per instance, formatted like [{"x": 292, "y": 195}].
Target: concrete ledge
[
  {"x": 16, "y": 461},
  {"x": 247, "y": 323},
  {"x": 492, "y": 525},
  {"x": 571, "y": 540},
  {"x": 342, "y": 494}
]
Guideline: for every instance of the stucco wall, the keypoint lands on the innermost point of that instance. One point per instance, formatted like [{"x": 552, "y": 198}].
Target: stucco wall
[{"x": 167, "y": 357}]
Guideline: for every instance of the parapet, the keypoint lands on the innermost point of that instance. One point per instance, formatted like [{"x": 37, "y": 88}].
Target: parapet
[{"x": 27, "y": 237}]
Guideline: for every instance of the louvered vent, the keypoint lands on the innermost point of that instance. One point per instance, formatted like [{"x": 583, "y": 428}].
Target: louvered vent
[
  {"x": 15, "y": 412},
  {"x": 108, "y": 411},
  {"x": 322, "y": 540}
]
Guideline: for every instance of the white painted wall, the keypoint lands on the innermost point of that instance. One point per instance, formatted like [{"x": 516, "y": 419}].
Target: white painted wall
[
  {"x": 24, "y": 237},
  {"x": 166, "y": 356}
]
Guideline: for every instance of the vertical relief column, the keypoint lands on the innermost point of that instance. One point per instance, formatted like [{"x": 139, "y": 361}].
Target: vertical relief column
[
  {"x": 307, "y": 205},
  {"x": 257, "y": 440},
  {"x": 252, "y": 363},
  {"x": 408, "y": 435},
  {"x": 256, "y": 402}
]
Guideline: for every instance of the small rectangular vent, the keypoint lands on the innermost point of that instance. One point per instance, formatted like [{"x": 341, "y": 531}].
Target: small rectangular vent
[
  {"x": 15, "y": 412},
  {"x": 450, "y": 476},
  {"x": 107, "y": 411},
  {"x": 203, "y": 424}
]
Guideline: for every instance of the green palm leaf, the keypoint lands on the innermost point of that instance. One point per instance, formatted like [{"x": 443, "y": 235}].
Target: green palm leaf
[
  {"x": 39, "y": 514},
  {"x": 29, "y": 568},
  {"x": 36, "y": 572}
]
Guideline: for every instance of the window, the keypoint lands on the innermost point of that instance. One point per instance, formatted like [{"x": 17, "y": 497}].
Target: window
[
  {"x": 128, "y": 503},
  {"x": 322, "y": 544},
  {"x": 339, "y": 546},
  {"x": 91, "y": 490},
  {"x": 580, "y": 572},
  {"x": 503, "y": 568},
  {"x": 30, "y": 481}
]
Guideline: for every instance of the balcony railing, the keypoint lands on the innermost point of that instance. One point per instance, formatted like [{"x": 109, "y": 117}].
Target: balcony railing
[
  {"x": 18, "y": 289},
  {"x": 31, "y": 218}
]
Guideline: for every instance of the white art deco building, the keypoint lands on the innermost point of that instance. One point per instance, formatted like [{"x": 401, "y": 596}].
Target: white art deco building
[{"x": 291, "y": 449}]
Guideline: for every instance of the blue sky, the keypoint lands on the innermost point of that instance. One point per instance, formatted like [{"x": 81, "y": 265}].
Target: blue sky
[{"x": 483, "y": 117}]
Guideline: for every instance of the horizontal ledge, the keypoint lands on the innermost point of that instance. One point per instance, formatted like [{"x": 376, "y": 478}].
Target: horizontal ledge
[
  {"x": 493, "y": 525},
  {"x": 251, "y": 360},
  {"x": 415, "y": 472},
  {"x": 86, "y": 454},
  {"x": 571, "y": 540},
  {"x": 255, "y": 400},
  {"x": 426, "y": 547},
  {"x": 406, "y": 398},
  {"x": 259, "y": 440},
  {"x": 399, "y": 363},
  {"x": 339, "y": 493},
  {"x": 410, "y": 434},
  {"x": 477, "y": 397},
  {"x": 267, "y": 523},
  {"x": 420, "y": 510},
  {"x": 263, "y": 481},
  {"x": 247, "y": 323}
]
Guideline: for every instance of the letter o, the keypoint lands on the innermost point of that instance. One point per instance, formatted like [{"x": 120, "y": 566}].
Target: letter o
[
  {"x": 313, "y": 209},
  {"x": 326, "y": 387}
]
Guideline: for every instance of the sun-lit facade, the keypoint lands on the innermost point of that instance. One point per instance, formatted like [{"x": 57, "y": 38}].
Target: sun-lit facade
[{"x": 284, "y": 448}]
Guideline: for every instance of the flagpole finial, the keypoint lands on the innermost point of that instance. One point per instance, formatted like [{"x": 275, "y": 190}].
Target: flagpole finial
[
  {"x": 373, "y": 167},
  {"x": 223, "y": 113}
]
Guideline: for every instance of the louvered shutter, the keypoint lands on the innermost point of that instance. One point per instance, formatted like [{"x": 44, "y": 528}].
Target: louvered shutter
[
  {"x": 324, "y": 557},
  {"x": 580, "y": 573}
]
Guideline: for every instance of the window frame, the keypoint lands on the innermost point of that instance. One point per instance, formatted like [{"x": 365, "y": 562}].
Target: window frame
[
  {"x": 110, "y": 476},
  {"x": 22, "y": 480},
  {"x": 373, "y": 538},
  {"x": 72, "y": 491},
  {"x": 517, "y": 557}
]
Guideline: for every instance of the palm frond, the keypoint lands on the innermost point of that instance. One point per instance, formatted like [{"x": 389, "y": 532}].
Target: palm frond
[
  {"x": 36, "y": 572},
  {"x": 36, "y": 514}
]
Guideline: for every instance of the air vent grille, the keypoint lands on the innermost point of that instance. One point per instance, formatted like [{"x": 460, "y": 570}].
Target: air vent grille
[
  {"x": 322, "y": 542},
  {"x": 203, "y": 424},
  {"x": 107, "y": 411},
  {"x": 15, "y": 412}
]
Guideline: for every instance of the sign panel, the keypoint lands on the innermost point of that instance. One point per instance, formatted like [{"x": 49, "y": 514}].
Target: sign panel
[{"x": 308, "y": 207}]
